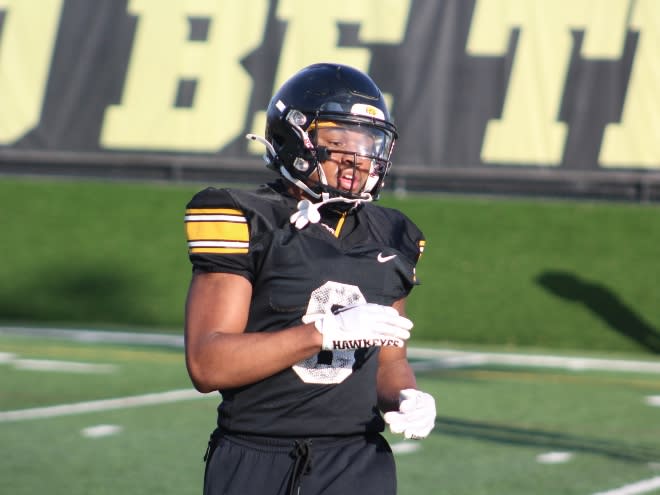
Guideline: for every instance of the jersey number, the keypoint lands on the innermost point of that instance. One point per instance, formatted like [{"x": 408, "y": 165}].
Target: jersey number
[{"x": 329, "y": 367}]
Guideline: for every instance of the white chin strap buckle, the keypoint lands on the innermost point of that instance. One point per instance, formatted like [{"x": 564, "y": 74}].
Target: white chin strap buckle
[{"x": 308, "y": 212}]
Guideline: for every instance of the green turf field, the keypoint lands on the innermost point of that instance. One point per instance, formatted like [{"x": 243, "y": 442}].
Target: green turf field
[{"x": 506, "y": 428}]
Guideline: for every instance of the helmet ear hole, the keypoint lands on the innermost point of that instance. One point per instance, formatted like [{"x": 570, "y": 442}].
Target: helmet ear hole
[
  {"x": 330, "y": 95},
  {"x": 301, "y": 164}
]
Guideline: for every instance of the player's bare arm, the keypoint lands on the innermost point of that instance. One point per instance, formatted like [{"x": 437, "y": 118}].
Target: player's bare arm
[
  {"x": 407, "y": 410},
  {"x": 219, "y": 354},
  {"x": 394, "y": 372}
]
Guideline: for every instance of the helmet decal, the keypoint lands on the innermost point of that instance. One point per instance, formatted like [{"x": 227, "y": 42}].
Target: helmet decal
[{"x": 367, "y": 110}]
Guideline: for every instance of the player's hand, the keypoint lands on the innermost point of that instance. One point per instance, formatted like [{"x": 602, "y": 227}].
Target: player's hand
[
  {"x": 363, "y": 325},
  {"x": 416, "y": 415}
]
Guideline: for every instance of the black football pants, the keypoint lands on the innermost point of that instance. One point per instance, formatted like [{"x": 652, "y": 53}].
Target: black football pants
[{"x": 246, "y": 465}]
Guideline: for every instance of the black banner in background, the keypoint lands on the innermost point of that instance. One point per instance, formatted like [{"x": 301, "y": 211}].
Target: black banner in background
[{"x": 561, "y": 84}]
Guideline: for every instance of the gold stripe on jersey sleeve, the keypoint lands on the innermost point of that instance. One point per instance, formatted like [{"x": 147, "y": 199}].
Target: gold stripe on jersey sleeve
[
  {"x": 217, "y": 231},
  {"x": 214, "y": 211},
  {"x": 217, "y": 250}
]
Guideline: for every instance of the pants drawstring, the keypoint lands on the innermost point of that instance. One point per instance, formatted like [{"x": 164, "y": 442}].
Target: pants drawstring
[
  {"x": 302, "y": 454},
  {"x": 210, "y": 448},
  {"x": 212, "y": 445}
]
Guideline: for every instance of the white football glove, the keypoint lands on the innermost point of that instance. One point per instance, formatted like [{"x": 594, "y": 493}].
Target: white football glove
[
  {"x": 362, "y": 325},
  {"x": 416, "y": 415}
]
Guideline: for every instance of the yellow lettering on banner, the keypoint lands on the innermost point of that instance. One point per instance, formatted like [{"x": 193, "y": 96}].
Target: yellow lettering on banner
[
  {"x": 529, "y": 131},
  {"x": 28, "y": 38},
  {"x": 635, "y": 142},
  {"x": 163, "y": 56},
  {"x": 312, "y": 35}
]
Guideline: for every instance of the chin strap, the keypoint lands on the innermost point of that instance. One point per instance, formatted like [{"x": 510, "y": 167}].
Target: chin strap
[
  {"x": 301, "y": 185},
  {"x": 270, "y": 159},
  {"x": 308, "y": 212}
]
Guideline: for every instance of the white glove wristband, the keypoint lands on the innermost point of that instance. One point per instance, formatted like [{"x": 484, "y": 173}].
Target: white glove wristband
[{"x": 364, "y": 325}]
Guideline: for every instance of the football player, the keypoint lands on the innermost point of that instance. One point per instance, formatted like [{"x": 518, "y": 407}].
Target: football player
[{"x": 296, "y": 308}]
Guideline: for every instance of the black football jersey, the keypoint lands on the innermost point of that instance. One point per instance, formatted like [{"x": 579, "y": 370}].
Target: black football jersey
[{"x": 370, "y": 257}]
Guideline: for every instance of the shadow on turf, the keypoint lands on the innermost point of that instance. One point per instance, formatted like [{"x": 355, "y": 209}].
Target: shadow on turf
[
  {"x": 103, "y": 293},
  {"x": 544, "y": 439},
  {"x": 604, "y": 303}
]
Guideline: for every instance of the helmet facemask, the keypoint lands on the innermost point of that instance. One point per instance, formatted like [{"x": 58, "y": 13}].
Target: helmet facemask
[
  {"x": 352, "y": 158},
  {"x": 336, "y": 155}
]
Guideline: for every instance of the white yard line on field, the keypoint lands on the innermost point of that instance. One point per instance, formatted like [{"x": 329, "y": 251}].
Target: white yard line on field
[
  {"x": 94, "y": 336},
  {"x": 554, "y": 457},
  {"x": 64, "y": 366},
  {"x": 6, "y": 357},
  {"x": 101, "y": 405},
  {"x": 458, "y": 359},
  {"x": 100, "y": 431},
  {"x": 643, "y": 486}
]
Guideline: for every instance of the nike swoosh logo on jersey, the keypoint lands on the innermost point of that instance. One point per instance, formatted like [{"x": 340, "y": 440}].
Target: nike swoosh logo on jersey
[{"x": 385, "y": 259}]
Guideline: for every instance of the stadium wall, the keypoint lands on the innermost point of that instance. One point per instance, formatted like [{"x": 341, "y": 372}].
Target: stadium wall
[{"x": 514, "y": 96}]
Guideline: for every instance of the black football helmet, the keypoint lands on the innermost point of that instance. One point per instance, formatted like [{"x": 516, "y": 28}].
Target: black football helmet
[{"x": 329, "y": 95}]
